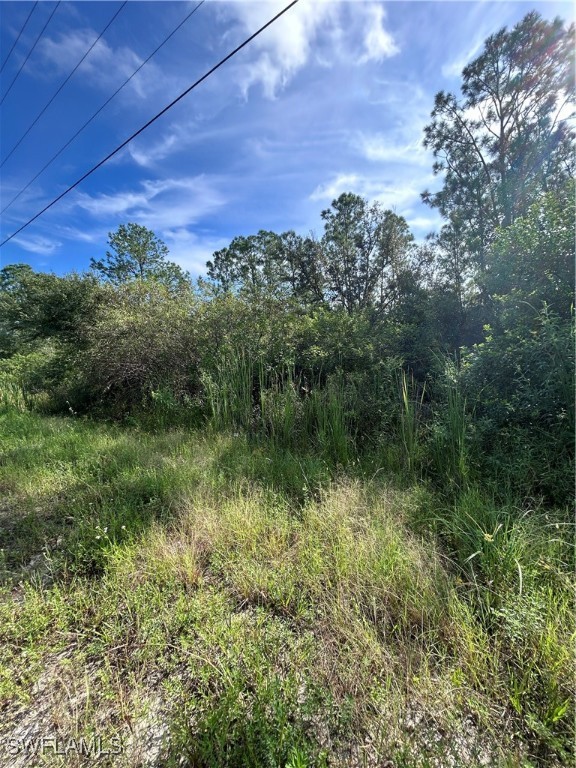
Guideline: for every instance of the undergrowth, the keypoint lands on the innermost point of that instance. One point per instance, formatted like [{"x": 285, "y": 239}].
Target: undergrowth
[{"x": 220, "y": 600}]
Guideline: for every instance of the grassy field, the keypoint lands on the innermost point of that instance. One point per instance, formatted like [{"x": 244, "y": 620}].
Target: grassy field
[{"x": 178, "y": 597}]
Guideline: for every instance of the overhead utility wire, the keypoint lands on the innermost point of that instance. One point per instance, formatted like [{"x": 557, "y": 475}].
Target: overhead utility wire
[
  {"x": 21, "y": 139},
  {"x": 153, "y": 120},
  {"x": 30, "y": 53},
  {"x": 87, "y": 123},
  {"x": 15, "y": 43}
]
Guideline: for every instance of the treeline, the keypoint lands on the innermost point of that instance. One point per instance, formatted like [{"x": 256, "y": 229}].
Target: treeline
[{"x": 451, "y": 358}]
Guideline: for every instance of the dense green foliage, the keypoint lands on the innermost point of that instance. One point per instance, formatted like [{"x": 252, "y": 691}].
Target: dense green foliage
[
  {"x": 257, "y": 423},
  {"x": 249, "y": 357}
]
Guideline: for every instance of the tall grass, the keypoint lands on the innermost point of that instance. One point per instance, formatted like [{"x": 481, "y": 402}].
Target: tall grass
[
  {"x": 229, "y": 390},
  {"x": 449, "y": 440},
  {"x": 243, "y": 394},
  {"x": 325, "y": 414},
  {"x": 281, "y": 409},
  {"x": 412, "y": 398},
  {"x": 12, "y": 395}
]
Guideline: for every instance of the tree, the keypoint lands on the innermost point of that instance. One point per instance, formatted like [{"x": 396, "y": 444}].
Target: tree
[
  {"x": 456, "y": 307},
  {"x": 520, "y": 379},
  {"x": 509, "y": 139},
  {"x": 250, "y": 262},
  {"x": 36, "y": 306},
  {"x": 303, "y": 267},
  {"x": 357, "y": 263},
  {"x": 364, "y": 249},
  {"x": 137, "y": 254},
  {"x": 531, "y": 263},
  {"x": 277, "y": 264}
]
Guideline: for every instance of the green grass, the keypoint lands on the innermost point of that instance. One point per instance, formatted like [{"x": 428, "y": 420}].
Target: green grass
[
  {"x": 232, "y": 602},
  {"x": 410, "y": 417},
  {"x": 243, "y": 395}
]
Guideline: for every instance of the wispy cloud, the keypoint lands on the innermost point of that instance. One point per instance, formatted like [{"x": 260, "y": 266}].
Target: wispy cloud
[
  {"x": 403, "y": 197},
  {"x": 475, "y": 26},
  {"x": 342, "y": 182},
  {"x": 378, "y": 42},
  {"x": 160, "y": 204},
  {"x": 37, "y": 244},
  {"x": 420, "y": 226},
  {"x": 90, "y": 235},
  {"x": 398, "y": 195},
  {"x": 191, "y": 250},
  {"x": 453, "y": 69},
  {"x": 105, "y": 68},
  {"x": 172, "y": 208},
  {"x": 148, "y": 155},
  {"x": 182, "y": 134},
  {"x": 331, "y": 98},
  {"x": 383, "y": 148}
]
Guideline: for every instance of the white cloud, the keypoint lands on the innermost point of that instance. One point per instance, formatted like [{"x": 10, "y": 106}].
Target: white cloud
[
  {"x": 401, "y": 197},
  {"x": 160, "y": 204},
  {"x": 283, "y": 48},
  {"x": 453, "y": 69},
  {"x": 422, "y": 225},
  {"x": 92, "y": 235},
  {"x": 191, "y": 250},
  {"x": 378, "y": 42},
  {"x": 106, "y": 205},
  {"x": 320, "y": 31},
  {"x": 342, "y": 182},
  {"x": 149, "y": 156},
  {"x": 65, "y": 50},
  {"x": 177, "y": 139},
  {"x": 37, "y": 244},
  {"x": 105, "y": 67},
  {"x": 385, "y": 149},
  {"x": 476, "y": 25}
]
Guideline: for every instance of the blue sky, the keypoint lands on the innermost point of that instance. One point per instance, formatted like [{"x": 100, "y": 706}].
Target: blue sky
[{"x": 331, "y": 98}]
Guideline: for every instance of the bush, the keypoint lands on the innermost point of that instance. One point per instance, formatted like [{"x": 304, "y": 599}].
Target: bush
[
  {"x": 520, "y": 387},
  {"x": 142, "y": 341}
]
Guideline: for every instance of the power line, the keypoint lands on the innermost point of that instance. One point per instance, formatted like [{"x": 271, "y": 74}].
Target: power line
[
  {"x": 30, "y": 52},
  {"x": 15, "y": 43},
  {"x": 15, "y": 147},
  {"x": 116, "y": 92},
  {"x": 153, "y": 120}
]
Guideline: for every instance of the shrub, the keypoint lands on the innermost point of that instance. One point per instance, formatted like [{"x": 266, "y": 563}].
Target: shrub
[
  {"x": 142, "y": 341},
  {"x": 521, "y": 389}
]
